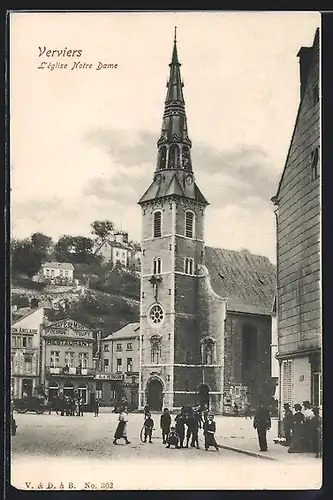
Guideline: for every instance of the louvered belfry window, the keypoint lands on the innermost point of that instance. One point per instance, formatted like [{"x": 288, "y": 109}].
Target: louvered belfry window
[
  {"x": 157, "y": 224},
  {"x": 189, "y": 224}
]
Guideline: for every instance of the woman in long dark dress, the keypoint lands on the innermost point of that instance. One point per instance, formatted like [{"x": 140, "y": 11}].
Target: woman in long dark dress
[
  {"x": 297, "y": 437},
  {"x": 121, "y": 431}
]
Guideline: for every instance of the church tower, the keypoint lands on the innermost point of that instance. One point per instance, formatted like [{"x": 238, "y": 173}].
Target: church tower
[{"x": 173, "y": 210}]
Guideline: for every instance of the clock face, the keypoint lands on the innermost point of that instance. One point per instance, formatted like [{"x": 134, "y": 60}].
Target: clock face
[{"x": 189, "y": 179}]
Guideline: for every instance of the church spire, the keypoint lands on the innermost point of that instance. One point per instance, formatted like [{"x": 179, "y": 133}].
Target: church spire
[
  {"x": 174, "y": 144},
  {"x": 174, "y": 176}
]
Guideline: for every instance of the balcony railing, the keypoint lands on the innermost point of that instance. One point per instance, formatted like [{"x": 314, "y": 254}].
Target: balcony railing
[{"x": 69, "y": 371}]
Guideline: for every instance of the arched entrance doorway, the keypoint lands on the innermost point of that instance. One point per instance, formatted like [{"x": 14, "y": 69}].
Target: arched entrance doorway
[
  {"x": 155, "y": 394},
  {"x": 68, "y": 389},
  {"x": 204, "y": 395}
]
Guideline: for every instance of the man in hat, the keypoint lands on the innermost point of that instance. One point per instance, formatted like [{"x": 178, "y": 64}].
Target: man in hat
[
  {"x": 165, "y": 424},
  {"x": 262, "y": 423},
  {"x": 287, "y": 422}
]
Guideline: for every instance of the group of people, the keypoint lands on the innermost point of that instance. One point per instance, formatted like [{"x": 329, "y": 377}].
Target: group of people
[
  {"x": 302, "y": 428},
  {"x": 69, "y": 406},
  {"x": 182, "y": 434}
]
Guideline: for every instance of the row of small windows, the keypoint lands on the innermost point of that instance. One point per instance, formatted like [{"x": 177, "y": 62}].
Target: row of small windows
[
  {"x": 188, "y": 266},
  {"x": 189, "y": 224}
]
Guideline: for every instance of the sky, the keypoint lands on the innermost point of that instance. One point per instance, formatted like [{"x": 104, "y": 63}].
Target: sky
[{"x": 83, "y": 141}]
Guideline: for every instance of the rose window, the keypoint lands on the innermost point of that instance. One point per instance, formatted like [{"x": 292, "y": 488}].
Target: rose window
[{"x": 156, "y": 314}]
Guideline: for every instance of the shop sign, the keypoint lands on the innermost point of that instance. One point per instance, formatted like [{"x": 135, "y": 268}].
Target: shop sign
[
  {"x": 109, "y": 376},
  {"x": 68, "y": 332},
  {"x": 24, "y": 330},
  {"x": 80, "y": 343}
]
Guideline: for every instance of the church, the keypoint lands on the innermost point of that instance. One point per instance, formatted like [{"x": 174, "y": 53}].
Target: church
[{"x": 205, "y": 313}]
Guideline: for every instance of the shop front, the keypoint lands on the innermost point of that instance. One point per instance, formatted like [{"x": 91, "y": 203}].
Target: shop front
[
  {"x": 72, "y": 388},
  {"x": 109, "y": 388}
]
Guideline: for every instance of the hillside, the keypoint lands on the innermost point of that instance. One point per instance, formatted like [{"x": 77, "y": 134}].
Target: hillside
[{"x": 107, "y": 302}]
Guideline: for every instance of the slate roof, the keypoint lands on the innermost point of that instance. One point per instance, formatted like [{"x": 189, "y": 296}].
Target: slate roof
[
  {"x": 171, "y": 186},
  {"x": 130, "y": 330},
  {"x": 59, "y": 265},
  {"x": 247, "y": 281}
]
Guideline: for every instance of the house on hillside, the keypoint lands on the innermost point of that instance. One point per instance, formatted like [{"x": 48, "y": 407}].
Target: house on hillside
[
  {"x": 298, "y": 212},
  {"x": 117, "y": 250},
  {"x": 56, "y": 272}
]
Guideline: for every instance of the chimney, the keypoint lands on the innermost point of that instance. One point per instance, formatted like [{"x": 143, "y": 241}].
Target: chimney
[{"x": 305, "y": 55}]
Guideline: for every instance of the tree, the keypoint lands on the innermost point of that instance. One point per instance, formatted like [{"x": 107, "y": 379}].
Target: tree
[
  {"x": 102, "y": 229},
  {"x": 74, "y": 249},
  {"x": 26, "y": 259},
  {"x": 42, "y": 242}
]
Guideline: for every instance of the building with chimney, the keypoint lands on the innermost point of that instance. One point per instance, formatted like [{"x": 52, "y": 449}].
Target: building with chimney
[
  {"x": 117, "y": 250},
  {"x": 206, "y": 313},
  {"x": 297, "y": 203}
]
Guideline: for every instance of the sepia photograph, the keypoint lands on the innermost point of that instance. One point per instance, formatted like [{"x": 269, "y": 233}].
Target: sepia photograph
[{"x": 165, "y": 250}]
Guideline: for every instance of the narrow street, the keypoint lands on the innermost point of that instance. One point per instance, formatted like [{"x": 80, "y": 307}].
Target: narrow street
[{"x": 51, "y": 452}]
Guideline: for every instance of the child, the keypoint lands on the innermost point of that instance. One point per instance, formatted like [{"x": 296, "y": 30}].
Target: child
[
  {"x": 209, "y": 433},
  {"x": 173, "y": 438},
  {"x": 148, "y": 425}
]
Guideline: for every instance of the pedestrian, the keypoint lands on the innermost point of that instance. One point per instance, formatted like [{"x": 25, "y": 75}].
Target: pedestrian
[
  {"x": 192, "y": 431},
  {"x": 148, "y": 427},
  {"x": 173, "y": 438},
  {"x": 308, "y": 414},
  {"x": 146, "y": 411},
  {"x": 287, "y": 422},
  {"x": 316, "y": 432},
  {"x": 121, "y": 431},
  {"x": 165, "y": 423},
  {"x": 77, "y": 406},
  {"x": 81, "y": 407},
  {"x": 180, "y": 427},
  {"x": 73, "y": 407},
  {"x": 209, "y": 433},
  {"x": 297, "y": 436},
  {"x": 262, "y": 423},
  {"x": 97, "y": 404},
  {"x": 235, "y": 410},
  {"x": 198, "y": 417}
]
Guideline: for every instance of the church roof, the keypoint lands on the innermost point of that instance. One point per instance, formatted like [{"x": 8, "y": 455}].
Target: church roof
[{"x": 247, "y": 281}]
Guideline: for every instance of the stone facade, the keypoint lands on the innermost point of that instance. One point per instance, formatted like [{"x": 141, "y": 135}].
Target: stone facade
[
  {"x": 298, "y": 245},
  {"x": 194, "y": 339}
]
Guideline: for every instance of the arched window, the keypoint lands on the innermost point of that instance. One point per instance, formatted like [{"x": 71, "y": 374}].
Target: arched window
[
  {"x": 188, "y": 266},
  {"x": 157, "y": 225},
  {"x": 314, "y": 164},
  {"x": 155, "y": 349},
  {"x": 189, "y": 224},
  {"x": 173, "y": 156},
  {"x": 186, "y": 158},
  {"x": 162, "y": 158},
  {"x": 208, "y": 351},
  {"x": 157, "y": 266}
]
